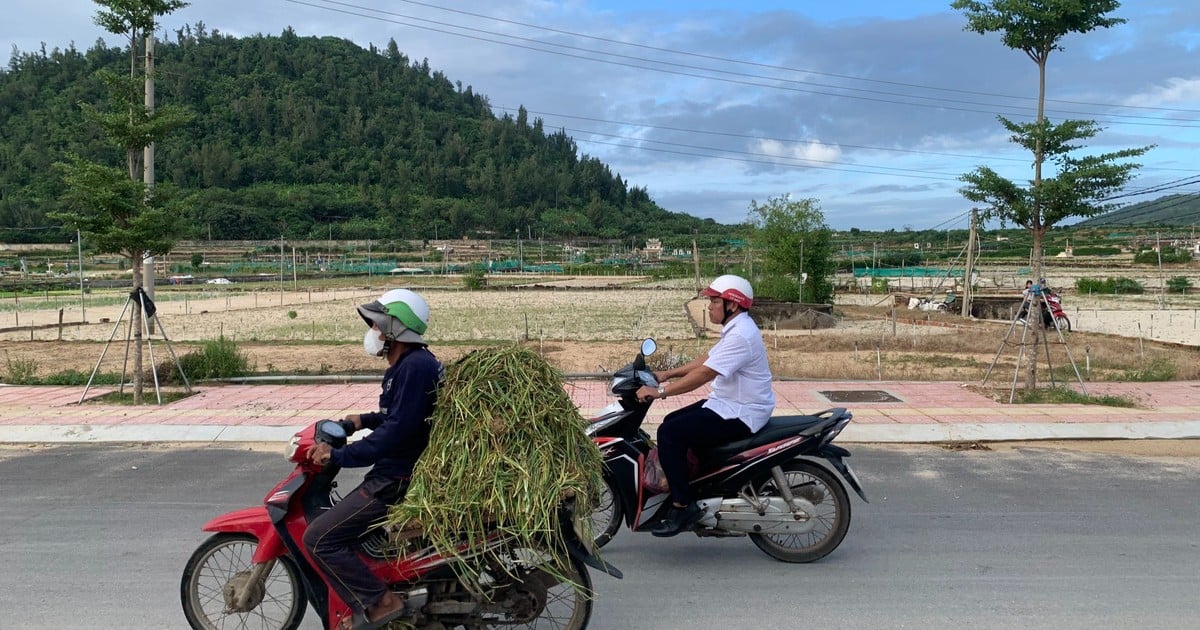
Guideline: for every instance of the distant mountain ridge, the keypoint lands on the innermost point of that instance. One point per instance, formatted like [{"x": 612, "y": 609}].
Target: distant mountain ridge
[
  {"x": 1168, "y": 211},
  {"x": 317, "y": 137}
]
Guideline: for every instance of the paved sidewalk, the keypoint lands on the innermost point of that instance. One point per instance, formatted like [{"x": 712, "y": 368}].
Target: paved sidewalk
[{"x": 920, "y": 412}]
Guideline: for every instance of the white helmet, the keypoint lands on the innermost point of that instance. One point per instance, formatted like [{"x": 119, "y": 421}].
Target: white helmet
[
  {"x": 736, "y": 289},
  {"x": 399, "y": 314}
]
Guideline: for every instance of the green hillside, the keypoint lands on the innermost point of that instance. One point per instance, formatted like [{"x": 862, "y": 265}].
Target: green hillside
[
  {"x": 1169, "y": 211},
  {"x": 317, "y": 138}
]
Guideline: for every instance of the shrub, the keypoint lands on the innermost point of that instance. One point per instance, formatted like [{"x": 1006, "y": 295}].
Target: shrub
[
  {"x": 20, "y": 371},
  {"x": 1152, "y": 258},
  {"x": 1110, "y": 286},
  {"x": 475, "y": 278},
  {"x": 1179, "y": 284},
  {"x": 780, "y": 288},
  {"x": 291, "y": 314},
  {"x": 75, "y": 377},
  {"x": 217, "y": 358},
  {"x": 1128, "y": 286},
  {"x": 1159, "y": 369}
]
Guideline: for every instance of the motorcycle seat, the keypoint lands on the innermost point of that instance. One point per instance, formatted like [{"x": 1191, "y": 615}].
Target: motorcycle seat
[{"x": 777, "y": 428}]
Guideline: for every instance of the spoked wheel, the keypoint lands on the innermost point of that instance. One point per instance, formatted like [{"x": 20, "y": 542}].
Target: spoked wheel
[
  {"x": 831, "y": 514},
  {"x": 220, "y": 568},
  {"x": 533, "y": 594},
  {"x": 607, "y": 517},
  {"x": 1064, "y": 324}
]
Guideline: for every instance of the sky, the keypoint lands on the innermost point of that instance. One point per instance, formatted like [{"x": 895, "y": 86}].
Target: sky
[{"x": 874, "y": 108}]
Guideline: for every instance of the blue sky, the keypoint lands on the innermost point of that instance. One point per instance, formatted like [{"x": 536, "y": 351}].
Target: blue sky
[{"x": 872, "y": 108}]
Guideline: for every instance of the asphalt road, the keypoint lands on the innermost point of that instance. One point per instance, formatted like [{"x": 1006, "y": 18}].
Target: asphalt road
[{"x": 97, "y": 536}]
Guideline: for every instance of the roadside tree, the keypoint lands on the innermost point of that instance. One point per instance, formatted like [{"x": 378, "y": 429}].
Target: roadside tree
[
  {"x": 1076, "y": 185},
  {"x": 796, "y": 244},
  {"x": 122, "y": 211}
]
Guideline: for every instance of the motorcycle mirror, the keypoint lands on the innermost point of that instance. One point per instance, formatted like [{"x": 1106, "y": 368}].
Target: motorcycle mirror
[{"x": 648, "y": 347}]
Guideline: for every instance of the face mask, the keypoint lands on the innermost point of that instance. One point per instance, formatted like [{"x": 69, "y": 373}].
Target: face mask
[{"x": 373, "y": 342}]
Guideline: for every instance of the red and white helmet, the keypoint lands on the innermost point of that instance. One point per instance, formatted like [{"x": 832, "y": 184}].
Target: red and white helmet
[{"x": 736, "y": 289}]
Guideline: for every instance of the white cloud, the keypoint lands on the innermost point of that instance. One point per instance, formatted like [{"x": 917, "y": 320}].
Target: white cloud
[
  {"x": 1174, "y": 91},
  {"x": 805, "y": 151}
]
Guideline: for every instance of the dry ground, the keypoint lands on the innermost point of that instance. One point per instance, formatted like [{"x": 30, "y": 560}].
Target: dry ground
[{"x": 584, "y": 326}]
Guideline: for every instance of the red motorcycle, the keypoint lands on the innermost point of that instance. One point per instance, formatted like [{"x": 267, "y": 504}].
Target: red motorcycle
[
  {"x": 782, "y": 486},
  {"x": 255, "y": 573},
  {"x": 1052, "y": 312}
]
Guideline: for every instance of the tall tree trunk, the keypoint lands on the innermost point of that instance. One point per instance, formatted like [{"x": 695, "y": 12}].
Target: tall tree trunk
[{"x": 1034, "y": 315}]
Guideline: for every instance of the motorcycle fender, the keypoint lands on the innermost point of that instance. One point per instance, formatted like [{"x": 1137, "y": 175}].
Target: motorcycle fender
[
  {"x": 575, "y": 548},
  {"x": 253, "y": 521},
  {"x": 834, "y": 454}
]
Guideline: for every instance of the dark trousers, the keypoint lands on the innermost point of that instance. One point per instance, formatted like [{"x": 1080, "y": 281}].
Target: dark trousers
[
  {"x": 692, "y": 427},
  {"x": 332, "y": 540}
]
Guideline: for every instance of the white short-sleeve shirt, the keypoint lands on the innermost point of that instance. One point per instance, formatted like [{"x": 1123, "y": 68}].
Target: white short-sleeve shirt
[{"x": 742, "y": 388}]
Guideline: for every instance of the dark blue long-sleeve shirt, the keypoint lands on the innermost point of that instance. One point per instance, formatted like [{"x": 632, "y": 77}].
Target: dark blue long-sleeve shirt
[{"x": 400, "y": 429}]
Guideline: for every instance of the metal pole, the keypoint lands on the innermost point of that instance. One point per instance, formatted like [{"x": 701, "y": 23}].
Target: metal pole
[{"x": 82, "y": 302}]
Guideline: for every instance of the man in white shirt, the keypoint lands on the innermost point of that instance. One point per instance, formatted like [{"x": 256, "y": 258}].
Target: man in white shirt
[{"x": 740, "y": 404}]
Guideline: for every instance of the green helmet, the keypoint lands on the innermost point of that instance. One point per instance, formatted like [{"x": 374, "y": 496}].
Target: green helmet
[{"x": 400, "y": 314}]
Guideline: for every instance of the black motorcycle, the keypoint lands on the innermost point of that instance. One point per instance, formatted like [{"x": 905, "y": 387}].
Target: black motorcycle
[{"x": 782, "y": 486}]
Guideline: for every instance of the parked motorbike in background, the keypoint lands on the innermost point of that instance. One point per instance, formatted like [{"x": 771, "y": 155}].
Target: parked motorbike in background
[
  {"x": 781, "y": 487},
  {"x": 254, "y": 572},
  {"x": 1052, "y": 312}
]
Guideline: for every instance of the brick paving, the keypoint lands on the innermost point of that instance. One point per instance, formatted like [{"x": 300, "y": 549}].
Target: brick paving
[{"x": 925, "y": 411}]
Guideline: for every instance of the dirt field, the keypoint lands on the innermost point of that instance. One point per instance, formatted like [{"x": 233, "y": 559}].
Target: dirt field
[{"x": 585, "y": 325}]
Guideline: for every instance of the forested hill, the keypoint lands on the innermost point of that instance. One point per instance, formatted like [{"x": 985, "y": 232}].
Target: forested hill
[
  {"x": 317, "y": 137},
  {"x": 1171, "y": 210}
]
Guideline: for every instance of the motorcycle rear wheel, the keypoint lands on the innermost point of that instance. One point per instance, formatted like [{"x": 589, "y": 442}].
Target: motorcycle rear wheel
[
  {"x": 537, "y": 597},
  {"x": 815, "y": 484},
  {"x": 220, "y": 559},
  {"x": 608, "y": 515}
]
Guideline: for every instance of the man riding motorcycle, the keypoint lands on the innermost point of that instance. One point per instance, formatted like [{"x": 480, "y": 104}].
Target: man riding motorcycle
[
  {"x": 400, "y": 433},
  {"x": 740, "y": 404}
]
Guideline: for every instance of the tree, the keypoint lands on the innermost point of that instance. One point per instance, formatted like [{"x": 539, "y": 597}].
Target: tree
[
  {"x": 797, "y": 243},
  {"x": 119, "y": 212},
  {"x": 1080, "y": 183}
]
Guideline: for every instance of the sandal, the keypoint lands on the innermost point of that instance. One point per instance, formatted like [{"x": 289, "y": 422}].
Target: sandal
[{"x": 361, "y": 622}]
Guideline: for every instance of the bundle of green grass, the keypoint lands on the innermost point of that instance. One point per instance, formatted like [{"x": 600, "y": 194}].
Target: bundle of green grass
[{"x": 506, "y": 448}]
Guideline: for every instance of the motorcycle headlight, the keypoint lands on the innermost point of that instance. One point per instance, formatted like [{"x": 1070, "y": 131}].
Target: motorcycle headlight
[{"x": 293, "y": 444}]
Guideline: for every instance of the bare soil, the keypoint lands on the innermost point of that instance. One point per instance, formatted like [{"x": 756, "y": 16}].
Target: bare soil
[{"x": 584, "y": 325}]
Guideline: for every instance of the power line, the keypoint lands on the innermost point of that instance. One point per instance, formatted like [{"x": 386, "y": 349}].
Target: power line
[
  {"x": 760, "y": 65},
  {"x": 938, "y": 104},
  {"x": 753, "y": 161},
  {"x": 1178, "y": 183},
  {"x": 764, "y": 155},
  {"x": 1023, "y": 160}
]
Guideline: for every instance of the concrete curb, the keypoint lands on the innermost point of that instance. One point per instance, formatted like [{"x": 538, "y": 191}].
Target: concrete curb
[{"x": 862, "y": 433}]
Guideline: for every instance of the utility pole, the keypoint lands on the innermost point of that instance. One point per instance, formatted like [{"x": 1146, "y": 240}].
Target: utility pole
[
  {"x": 82, "y": 302},
  {"x": 148, "y": 170},
  {"x": 970, "y": 268},
  {"x": 1162, "y": 287}
]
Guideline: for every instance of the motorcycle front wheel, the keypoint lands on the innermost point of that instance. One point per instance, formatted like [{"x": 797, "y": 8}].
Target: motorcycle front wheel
[
  {"x": 831, "y": 511},
  {"x": 223, "y": 562},
  {"x": 1064, "y": 324}
]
